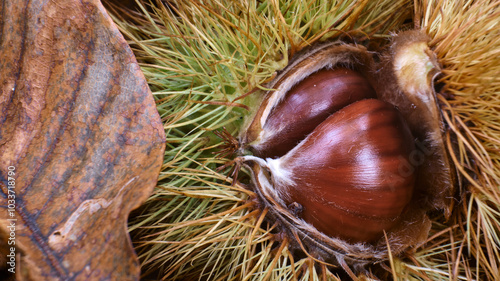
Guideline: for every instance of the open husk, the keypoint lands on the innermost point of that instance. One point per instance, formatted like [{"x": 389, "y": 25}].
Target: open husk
[
  {"x": 406, "y": 72},
  {"x": 206, "y": 62}
]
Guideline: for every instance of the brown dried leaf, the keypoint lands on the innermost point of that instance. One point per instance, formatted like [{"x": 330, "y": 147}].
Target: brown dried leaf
[{"x": 81, "y": 137}]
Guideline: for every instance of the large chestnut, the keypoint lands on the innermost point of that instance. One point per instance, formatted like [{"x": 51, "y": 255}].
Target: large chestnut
[{"x": 347, "y": 174}]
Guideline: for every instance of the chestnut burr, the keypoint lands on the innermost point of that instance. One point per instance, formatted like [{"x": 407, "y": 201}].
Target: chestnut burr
[{"x": 347, "y": 155}]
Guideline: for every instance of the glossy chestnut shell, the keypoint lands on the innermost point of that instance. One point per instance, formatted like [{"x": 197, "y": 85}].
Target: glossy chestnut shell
[
  {"x": 348, "y": 174},
  {"x": 308, "y": 104}
]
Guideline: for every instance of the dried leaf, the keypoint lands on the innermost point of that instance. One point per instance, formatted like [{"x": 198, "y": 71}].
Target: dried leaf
[{"x": 81, "y": 142}]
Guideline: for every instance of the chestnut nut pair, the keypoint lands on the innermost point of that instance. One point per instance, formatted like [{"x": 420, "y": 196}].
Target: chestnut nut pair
[{"x": 336, "y": 138}]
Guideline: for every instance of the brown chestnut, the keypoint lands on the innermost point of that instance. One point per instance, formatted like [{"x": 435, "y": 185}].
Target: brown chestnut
[
  {"x": 349, "y": 173},
  {"x": 315, "y": 84},
  {"x": 305, "y": 106}
]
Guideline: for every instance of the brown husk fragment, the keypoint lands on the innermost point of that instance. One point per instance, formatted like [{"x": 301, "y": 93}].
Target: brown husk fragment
[{"x": 411, "y": 89}]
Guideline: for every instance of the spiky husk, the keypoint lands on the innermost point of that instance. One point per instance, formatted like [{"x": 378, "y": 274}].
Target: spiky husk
[{"x": 201, "y": 56}]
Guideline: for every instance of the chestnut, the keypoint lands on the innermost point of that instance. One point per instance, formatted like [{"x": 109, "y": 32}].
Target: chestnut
[
  {"x": 311, "y": 101},
  {"x": 310, "y": 89}
]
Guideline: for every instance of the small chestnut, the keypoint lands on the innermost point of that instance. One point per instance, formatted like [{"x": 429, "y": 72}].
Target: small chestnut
[
  {"x": 306, "y": 105},
  {"x": 313, "y": 86}
]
